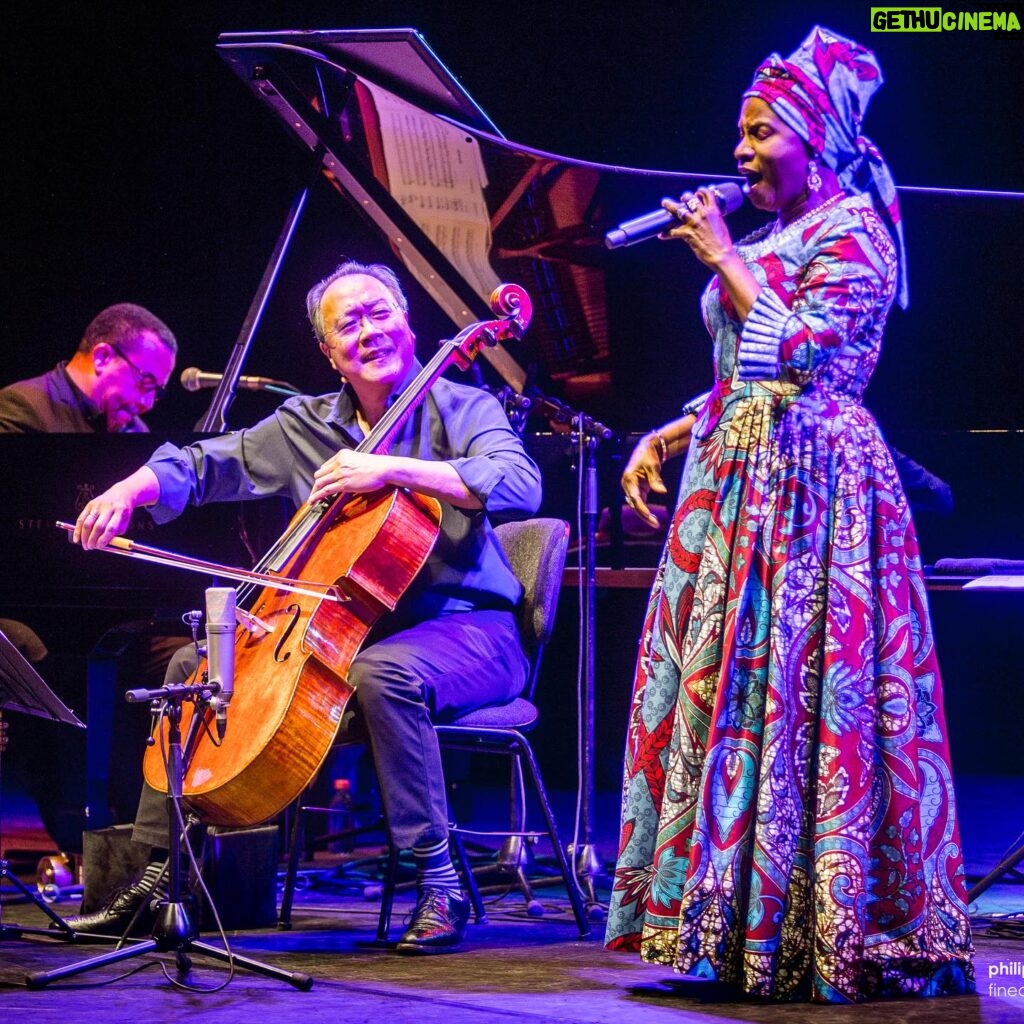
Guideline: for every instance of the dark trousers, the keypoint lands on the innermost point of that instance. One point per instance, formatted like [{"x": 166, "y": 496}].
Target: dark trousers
[{"x": 433, "y": 671}]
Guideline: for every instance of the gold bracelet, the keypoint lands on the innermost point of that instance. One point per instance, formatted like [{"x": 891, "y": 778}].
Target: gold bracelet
[{"x": 662, "y": 445}]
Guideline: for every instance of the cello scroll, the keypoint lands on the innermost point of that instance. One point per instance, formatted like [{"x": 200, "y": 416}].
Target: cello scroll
[
  {"x": 515, "y": 310},
  {"x": 513, "y": 301}
]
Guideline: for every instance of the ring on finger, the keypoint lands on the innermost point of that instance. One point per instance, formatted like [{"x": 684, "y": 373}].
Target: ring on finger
[{"x": 693, "y": 204}]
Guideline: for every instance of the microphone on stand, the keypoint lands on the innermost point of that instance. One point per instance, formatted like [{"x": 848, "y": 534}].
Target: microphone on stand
[
  {"x": 220, "y": 650},
  {"x": 558, "y": 412},
  {"x": 194, "y": 379},
  {"x": 515, "y": 404},
  {"x": 650, "y": 225}
]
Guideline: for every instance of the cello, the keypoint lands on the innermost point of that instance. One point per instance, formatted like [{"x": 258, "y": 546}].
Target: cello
[{"x": 342, "y": 563}]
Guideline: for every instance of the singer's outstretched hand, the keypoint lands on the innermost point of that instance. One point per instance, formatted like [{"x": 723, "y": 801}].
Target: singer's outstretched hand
[
  {"x": 643, "y": 470},
  {"x": 641, "y": 476}
]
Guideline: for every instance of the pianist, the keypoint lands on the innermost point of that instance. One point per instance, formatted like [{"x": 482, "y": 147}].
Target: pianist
[{"x": 119, "y": 370}]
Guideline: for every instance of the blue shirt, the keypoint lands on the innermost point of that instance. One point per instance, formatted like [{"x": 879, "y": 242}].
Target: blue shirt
[{"x": 455, "y": 423}]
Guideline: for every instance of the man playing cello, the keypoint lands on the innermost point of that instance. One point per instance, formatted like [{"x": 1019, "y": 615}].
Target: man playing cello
[{"x": 450, "y": 645}]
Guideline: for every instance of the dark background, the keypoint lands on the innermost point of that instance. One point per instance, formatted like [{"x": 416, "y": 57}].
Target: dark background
[{"x": 139, "y": 168}]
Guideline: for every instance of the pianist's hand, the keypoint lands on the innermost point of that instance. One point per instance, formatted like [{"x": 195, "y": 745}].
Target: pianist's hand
[{"x": 109, "y": 514}]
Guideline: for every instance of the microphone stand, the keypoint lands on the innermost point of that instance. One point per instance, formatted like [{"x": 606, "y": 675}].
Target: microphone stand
[
  {"x": 174, "y": 930},
  {"x": 587, "y": 433}
]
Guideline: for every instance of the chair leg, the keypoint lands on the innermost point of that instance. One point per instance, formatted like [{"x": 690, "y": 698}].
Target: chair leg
[
  {"x": 534, "y": 907},
  {"x": 387, "y": 899},
  {"x": 568, "y": 875},
  {"x": 516, "y": 849},
  {"x": 472, "y": 889},
  {"x": 284, "y": 917}
]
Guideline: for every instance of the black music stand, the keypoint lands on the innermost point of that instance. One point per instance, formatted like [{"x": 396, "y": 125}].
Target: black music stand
[{"x": 22, "y": 689}]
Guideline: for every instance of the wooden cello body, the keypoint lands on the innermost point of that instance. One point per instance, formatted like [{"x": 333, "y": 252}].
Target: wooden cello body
[
  {"x": 291, "y": 685},
  {"x": 293, "y": 650}
]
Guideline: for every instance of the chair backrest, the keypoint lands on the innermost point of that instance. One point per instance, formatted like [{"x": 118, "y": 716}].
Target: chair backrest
[{"x": 535, "y": 548}]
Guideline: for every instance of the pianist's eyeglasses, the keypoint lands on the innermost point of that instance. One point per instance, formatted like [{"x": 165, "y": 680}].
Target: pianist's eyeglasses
[{"x": 145, "y": 382}]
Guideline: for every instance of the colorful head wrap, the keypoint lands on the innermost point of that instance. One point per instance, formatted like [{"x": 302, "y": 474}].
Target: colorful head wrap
[{"x": 821, "y": 91}]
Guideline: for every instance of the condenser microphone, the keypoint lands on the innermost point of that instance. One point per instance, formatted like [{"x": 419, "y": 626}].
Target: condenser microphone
[
  {"x": 220, "y": 650},
  {"x": 650, "y": 225},
  {"x": 194, "y": 379}
]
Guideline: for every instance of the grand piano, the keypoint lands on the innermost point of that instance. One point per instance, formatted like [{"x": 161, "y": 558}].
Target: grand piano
[
  {"x": 616, "y": 335},
  {"x": 460, "y": 206},
  {"x": 410, "y": 161},
  {"x": 401, "y": 147}
]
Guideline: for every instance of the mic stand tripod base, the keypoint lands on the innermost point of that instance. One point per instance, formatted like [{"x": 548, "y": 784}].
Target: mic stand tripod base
[
  {"x": 173, "y": 927},
  {"x": 587, "y": 865},
  {"x": 174, "y": 930}
]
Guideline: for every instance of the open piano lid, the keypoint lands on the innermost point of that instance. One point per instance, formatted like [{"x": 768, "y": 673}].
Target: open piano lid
[
  {"x": 461, "y": 207},
  {"x": 399, "y": 58}
]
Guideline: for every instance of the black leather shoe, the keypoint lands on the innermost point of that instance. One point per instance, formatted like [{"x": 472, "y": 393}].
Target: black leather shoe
[
  {"x": 117, "y": 915},
  {"x": 437, "y": 924}
]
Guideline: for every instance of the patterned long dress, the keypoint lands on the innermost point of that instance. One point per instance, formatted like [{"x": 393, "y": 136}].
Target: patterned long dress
[{"x": 788, "y": 821}]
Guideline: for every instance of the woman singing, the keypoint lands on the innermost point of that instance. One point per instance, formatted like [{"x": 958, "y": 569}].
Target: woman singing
[{"x": 788, "y": 822}]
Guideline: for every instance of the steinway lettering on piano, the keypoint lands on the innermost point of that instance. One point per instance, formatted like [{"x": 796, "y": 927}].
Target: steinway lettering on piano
[{"x": 49, "y": 477}]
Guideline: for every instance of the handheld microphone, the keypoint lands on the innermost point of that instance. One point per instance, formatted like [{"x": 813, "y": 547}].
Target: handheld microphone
[
  {"x": 650, "y": 225},
  {"x": 220, "y": 650},
  {"x": 193, "y": 379}
]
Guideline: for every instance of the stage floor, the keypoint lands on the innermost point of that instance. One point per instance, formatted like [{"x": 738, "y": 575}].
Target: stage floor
[{"x": 512, "y": 968}]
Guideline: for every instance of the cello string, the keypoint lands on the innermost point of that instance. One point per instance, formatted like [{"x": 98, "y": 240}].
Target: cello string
[
  {"x": 297, "y": 534},
  {"x": 295, "y": 537},
  {"x": 399, "y": 411}
]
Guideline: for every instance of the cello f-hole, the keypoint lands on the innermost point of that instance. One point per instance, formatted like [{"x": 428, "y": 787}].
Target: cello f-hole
[{"x": 280, "y": 657}]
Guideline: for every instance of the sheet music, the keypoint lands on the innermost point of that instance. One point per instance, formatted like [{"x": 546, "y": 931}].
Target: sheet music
[{"x": 436, "y": 174}]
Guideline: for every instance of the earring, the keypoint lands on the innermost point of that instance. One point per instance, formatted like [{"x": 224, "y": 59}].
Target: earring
[{"x": 813, "y": 177}]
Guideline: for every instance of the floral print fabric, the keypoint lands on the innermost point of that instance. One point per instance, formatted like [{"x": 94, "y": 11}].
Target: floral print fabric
[{"x": 788, "y": 821}]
